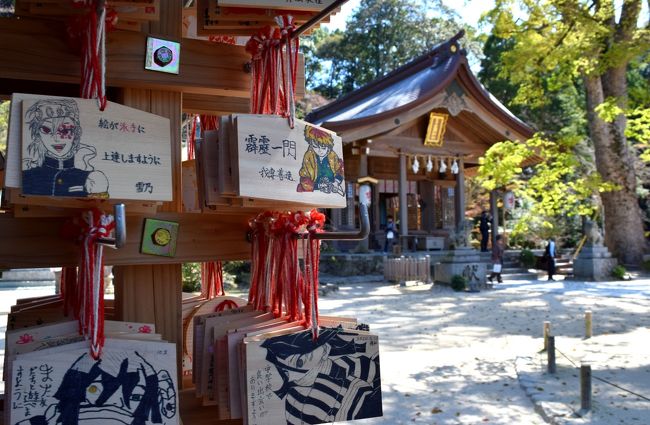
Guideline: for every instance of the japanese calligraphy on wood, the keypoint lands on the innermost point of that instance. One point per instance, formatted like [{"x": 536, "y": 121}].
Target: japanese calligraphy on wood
[
  {"x": 303, "y": 164},
  {"x": 294, "y": 379},
  {"x": 134, "y": 382},
  {"x": 69, "y": 148}
]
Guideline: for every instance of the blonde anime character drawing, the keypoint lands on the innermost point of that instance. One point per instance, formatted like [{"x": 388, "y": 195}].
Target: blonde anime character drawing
[
  {"x": 56, "y": 162},
  {"x": 322, "y": 168}
]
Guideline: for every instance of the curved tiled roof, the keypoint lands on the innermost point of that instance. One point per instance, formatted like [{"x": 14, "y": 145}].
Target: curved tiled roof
[{"x": 409, "y": 86}]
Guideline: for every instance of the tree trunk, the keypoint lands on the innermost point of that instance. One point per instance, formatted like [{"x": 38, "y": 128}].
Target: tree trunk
[{"x": 614, "y": 161}]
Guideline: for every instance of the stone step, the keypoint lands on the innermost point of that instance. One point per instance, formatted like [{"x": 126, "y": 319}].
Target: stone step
[
  {"x": 12, "y": 284},
  {"x": 27, "y": 275}
]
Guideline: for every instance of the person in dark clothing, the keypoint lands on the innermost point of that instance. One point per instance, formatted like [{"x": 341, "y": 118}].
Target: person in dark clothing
[
  {"x": 549, "y": 257},
  {"x": 484, "y": 227},
  {"x": 391, "y": 233},
  {"x": 497, "y": 260}
]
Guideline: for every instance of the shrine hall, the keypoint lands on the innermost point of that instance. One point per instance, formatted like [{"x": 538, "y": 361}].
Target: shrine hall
[{"x": 416, "y": 134}]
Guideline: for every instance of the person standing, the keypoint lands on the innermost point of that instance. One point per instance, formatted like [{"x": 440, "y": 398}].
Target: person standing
[
  {"x": 391, "y": 233},
  {"x": 497, "y": 260},
  {"x": 549, "y": 255},
  {"x": 484, "y": 227}
]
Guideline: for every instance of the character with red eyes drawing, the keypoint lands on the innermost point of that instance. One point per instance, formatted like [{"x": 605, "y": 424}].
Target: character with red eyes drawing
[{"x": 58, "y": 164}]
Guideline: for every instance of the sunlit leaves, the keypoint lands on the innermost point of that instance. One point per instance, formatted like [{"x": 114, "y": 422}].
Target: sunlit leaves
[{"x": 554, "y": 186}]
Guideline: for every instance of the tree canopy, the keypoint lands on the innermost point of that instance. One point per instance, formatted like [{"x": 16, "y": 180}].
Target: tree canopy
[
  {"x": 586, "y": 59},
  {"x": 381, "y": 36}
]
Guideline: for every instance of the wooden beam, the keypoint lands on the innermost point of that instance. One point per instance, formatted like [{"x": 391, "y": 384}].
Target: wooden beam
[
  {"x": 413, "y": 145},
  {"x": 194, "y": 103},
  {"x": 36, "y": 242},
  {"x": 33, "y": 49}
]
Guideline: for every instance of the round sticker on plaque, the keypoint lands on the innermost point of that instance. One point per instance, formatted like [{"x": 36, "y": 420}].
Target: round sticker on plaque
[{"x": 159, "y": 237}]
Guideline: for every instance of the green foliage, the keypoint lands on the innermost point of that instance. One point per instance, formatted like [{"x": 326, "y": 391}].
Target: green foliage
[
  {"x": 191, "y": 277},
  {"x": 237, "y": 271},
  {"x": 527, "y": 258},
  {"x": 619, "y": 272},
  {"x": 646, "y": 265},
  {"x": 4, "y": 125},
  {"x": 556, "y": 186},
  {"x": 458, "y": 283},
  {"x": 381, "y": 35}
]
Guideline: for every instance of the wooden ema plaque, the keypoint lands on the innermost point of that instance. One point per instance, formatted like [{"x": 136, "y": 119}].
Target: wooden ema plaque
[
  {"x": 301, "y": 165},
  {"x": 312, "y": 5},
  {"x": 294, "y": 379},
  {"x": 67, "y": 147},
  {"x": 133, "y": 382}
]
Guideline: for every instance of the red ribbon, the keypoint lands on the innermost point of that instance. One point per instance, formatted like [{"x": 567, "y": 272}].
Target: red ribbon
[
  {"x": 278, "y": 283},
  {"x": 212, "y": 280},
  {"x": 87, "y": 33},
  {"x": 89, "y": 304}
]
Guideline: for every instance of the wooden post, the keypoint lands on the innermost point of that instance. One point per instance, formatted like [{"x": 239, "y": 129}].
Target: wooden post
[
  {"x": 588, "y": 324},
  {"x": 459, "y": 192},
  {"x": 363, "y": 172},
  {"x": 547, "y": 333},
  {"x": 403, "y": 204},
  {"x": 550, "y": 355},
  {"x": 153, "y": 292},
  {"x": 585, "y": 387}
]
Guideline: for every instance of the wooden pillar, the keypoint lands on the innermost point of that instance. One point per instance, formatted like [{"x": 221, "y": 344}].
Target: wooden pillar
[
  {"x": 153, "y": 292},
  {"x": 403, "y": 205},
  {"x": 459, "y": 195},
  {"x": 363, "y": 172},
  {"x": 494, "y": 212},
  {"x": 375, "y": 224}
]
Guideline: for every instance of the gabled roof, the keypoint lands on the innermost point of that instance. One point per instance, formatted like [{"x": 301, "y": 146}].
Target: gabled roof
[{"x": 394, "y": 98}]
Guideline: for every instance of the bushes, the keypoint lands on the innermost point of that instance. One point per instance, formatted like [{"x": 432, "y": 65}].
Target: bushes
[
  {"x": 458, "y": 283},
  {"x": 191, "y": 277},
  {"x": 527, "y": 258},
  {"x": 619, "y": 272}
]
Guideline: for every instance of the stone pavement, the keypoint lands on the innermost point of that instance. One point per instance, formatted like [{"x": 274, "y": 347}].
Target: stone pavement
[
  {"x": 475, "y": 358},
  {"x": 470, "y": 358}
]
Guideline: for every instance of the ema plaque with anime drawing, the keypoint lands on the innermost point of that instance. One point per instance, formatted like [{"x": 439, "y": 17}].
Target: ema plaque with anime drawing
[
  {"x": 133, "y": 383},
  {"x": 293, "y": 379},
  {"x": 72, "y": 149}
]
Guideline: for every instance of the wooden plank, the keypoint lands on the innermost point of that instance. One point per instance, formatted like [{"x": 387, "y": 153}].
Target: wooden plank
[
  {"x": 196, "y": 241},
  {"x": 114, "y": 152},
  {"x": 133, "y": 294},
  {"x": 279, "y": 163},
  {"x": 194, "y": 103},
  {"x": 168, "y": 104},
  {"x": 167, "y": 297},
  {"x": 208, "y": 68}
]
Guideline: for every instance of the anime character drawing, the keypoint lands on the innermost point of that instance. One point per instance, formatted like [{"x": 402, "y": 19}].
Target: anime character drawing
[
  {"x": 91, "y": 392},
  {"x": 57, "y": 163},
  {"x": 322, "y": 168},
  {"x": 327, "y": 380}
]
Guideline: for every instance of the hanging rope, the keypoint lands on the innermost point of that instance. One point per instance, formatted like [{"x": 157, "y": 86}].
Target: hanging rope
[
  {"x": 88, "y": 31},
  {"x": 289, "y": 65},
  {"x": 68, "y": 287},
  {"x": 212, "y": 280},
  {"x": 191, "y": 140},
  {"x": 278, "y": 284},
  {"x": 89, "y": 308}
]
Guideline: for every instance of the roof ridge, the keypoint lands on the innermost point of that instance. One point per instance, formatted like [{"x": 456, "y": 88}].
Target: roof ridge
[{"x": 435, "y": 54}]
